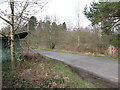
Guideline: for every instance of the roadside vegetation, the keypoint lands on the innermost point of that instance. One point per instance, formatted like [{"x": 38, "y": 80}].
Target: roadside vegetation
[
  {"x": 82, "y": 53},
  {"x": 50, "y": 35},
  {"x": 36, "y": 71}
]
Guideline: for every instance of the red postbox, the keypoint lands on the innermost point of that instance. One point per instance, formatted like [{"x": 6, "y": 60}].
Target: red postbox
[{"x": 112, "y": 49}]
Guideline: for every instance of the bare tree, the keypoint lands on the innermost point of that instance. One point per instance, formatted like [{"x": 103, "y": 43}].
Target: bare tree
[
  {"x": 12, "y": 32},
  {"x": 78, "y": 24},
  {"x": 19, "y": 15},
  {"x": 78, "y": 29}
]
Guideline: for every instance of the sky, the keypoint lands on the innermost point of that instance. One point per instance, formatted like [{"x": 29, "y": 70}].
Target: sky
[
  {"x": 66, "y": 11},
  {"x": 63, "y": 10}
]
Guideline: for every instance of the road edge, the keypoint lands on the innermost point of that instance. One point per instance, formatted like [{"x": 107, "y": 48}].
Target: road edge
[{"x": 98, "y": 81}]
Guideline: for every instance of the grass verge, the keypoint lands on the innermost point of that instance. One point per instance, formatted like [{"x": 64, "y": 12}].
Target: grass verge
[
  {"x": 80, "y": 53},
  {"x": 42, "y": 72}
]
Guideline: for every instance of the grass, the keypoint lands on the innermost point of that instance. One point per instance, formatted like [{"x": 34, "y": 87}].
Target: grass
[
  {"x": 80, "y": 53},
  {"x": 43, "y": 72},
  {"x": 74, "y": 81}
]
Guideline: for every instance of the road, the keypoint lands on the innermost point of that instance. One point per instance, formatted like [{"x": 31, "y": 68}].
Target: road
[{"x": 105, "y": 68}]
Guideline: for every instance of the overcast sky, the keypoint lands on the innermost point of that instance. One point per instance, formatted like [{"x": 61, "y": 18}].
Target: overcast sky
[{"x": 64, "y": 11}]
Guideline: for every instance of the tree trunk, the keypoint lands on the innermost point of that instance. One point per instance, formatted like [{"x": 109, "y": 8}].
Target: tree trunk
[
  {"x": 13, "y": 56},
  {"x": 78, "y": 41},
  {"x": 78, "y": 38}
]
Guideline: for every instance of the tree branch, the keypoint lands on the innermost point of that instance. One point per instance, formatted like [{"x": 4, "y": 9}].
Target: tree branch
[
  {"x": 25, "y": 6},
  {"x": 5, "y": 20}
]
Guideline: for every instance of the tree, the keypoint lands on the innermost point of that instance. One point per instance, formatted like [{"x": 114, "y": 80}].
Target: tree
[
  {"x": 32, "y": 22},
  {"x": 105, "y": 14},
  {"x": 64, "y": 26},
  {"x": 47, "y": 28},
  {"x": 54, "y": 32},
  {"x": 49, "y": 32},
  {"x": 18, "y": 17},
  {"x": 78, "y": 28}
]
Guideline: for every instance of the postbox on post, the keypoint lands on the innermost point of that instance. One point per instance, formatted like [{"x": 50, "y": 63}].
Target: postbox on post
[{"x": 111, "y": 50}]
